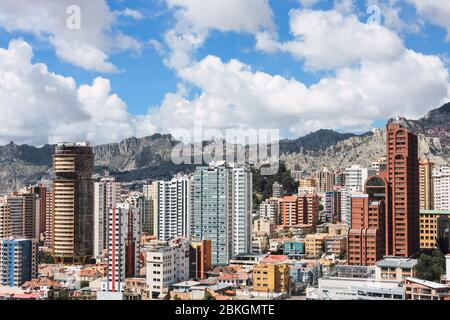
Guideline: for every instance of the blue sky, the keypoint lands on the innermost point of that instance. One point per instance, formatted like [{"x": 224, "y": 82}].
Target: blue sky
[{"x": 292, "y": 64}]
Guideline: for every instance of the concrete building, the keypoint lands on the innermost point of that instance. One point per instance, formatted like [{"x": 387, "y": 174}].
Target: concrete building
[
  {"x": 403, "y": 177},
  {"x": 199, "y": 259},
  {"x": 269, "y": 209},
  {"x": 355, "y": 178},
  {"x": 18, "y": 261},
  {"x": 150, "y": 217},
  {"x": 441, "y": 187},
  {"x": 307, "y": 186},
  {"x": 426, "y": 184},
  {"x": 308, "y": 209},
  {"x": 277, "y": 190},
  {"x": 332, "y": 207},
  {"x": 173, "y": 204},
  {"x": 394, "y": 268},
  {"x": 5, "y": 220},
  {"x": 167, "y": 264},
  {"x": 24, "y": 210},
  {"x": 294, "y": 247},
  {"x": 73, "y": 224},
  {"x": 123, "y": 246},
  {"x": 271, "y": 278},
  {"x": 49, "y": 218},
  {"x": 418, "y": 289},
  {"x": 434, "y": 230},
  {"x": 335, "y": 245},
  {"x": 222, "y": 208},
  {"x": 315, "y": 245},
  {"x": 107, "y": 194},
  {"x": 262, "y": 227},
  {"x": 289, "y": 210},
  {"x": 339, "y": 288}
]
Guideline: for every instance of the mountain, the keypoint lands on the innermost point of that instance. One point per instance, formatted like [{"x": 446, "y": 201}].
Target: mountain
[{"x": 150, "y": 157}]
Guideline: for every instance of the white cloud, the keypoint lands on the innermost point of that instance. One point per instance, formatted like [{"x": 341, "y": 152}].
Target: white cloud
[
  {"x": 87, "y": 47},
  {"x": 232, "y": 95},
  {"x": 435, "y": 11},
  {"x": 38, "y": 106},
  {"x": 230, "y": 15},
  {"x": 327, "y": 40},
  {"x": 130, "y": 13},
  {"x": 195, "y": 18}
]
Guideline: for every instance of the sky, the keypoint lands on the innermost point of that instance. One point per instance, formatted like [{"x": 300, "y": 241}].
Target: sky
[{"x": 102, "y": 71}]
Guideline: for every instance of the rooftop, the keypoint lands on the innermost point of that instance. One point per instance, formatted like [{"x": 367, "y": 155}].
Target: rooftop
[
  {"x": 426, "y": 283},
  {"x": 391, "y": 262}
]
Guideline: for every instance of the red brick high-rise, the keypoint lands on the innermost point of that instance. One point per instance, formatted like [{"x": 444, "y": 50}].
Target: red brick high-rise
[
  {"x": 366, "y": 238},
  {"x": 403, "y": 178}
]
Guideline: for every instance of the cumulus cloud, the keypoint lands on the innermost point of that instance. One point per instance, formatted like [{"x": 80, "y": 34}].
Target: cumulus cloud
[
  {"x": 195, "y": 18},
  {"x": 327, "y": 40},
  {"x": 87, "y": 47},
  {"x": 232, "y": 95},
  {"x": 130, "y": 13},
  {"x": 436, "y": 12},
  {"x": 38, "y": 106}
]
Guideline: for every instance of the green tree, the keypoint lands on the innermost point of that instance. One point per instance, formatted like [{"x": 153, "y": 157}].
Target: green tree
[
  {"x": 430, "y": 266},
  {"x": 84, "y": 284}
]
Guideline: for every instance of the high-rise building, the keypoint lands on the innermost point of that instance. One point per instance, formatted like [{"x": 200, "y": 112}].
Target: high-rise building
[
  {"x": 324, "y": 180},
  {"x": 5, "y": 220},
  {"x": 367, "y": 236},
  {"x": 107, "y": 194},
  {"x": 242, "y": 205},
  {"x": 222, "y": 202},
  {"x": 332, "y": 207},
  {"x": 403, "y": 178},
  {"x": 441, "y": 187},
  {"x": 379, "y": 165},
  {"x": 49, "y": 205},
  {"x": 24, "y": 214},
  {"x": 41, "y": 192},
  {"x": 308, "y": 209},
  {"x": 269, "y": 210},
  {"x": 199, "y": 259},
  {"x": 167, "y": 264},
  {"x": 289, "y": 210},
  {"x": 426, "y": 184},
  {"x": 307, "y": 186},
  {"x": 355, "y": 177},
  {"x": 277, "y": 190},
  {"x": 174, "y": 208},
  {"x": 435, "y": 230},
  {"x": 123, "y": 245},
  {"x": 151, "y": 214},
  {"x": 18, "y": 261},
  {"x": 73, "y": 223}
]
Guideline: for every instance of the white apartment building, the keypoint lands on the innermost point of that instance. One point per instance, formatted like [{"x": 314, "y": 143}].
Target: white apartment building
[
  {"x": 174, "y": 208},
  {"x": 268, "y": 209},
  {"x": 123, "y": 246},
  {"x": 441, "y": 186},
  {"x": 242, "y": 210},
  {"x": 355, "y": 179},
  {"x": 106, "y": 195},
  {"x": 167, "y": 264}
]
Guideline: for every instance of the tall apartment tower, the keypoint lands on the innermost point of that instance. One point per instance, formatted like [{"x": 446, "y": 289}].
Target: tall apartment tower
[
  {"x": 106, "y": 195},
  {"x": 18, "y": 261},
  {"x": 308, "y": 209},
  {"x": 5, "y": 221},
  {"x": 222, "y": 209},
  {"x": 289, "y": 210},
  {"x": 24, "y": 214},
  {"x": 355, "y": 178},
  {"x": 242, "y": 202},
  {"x": 123, "y": 245},
  {"x": 403, "y": 178},
  {"x": 367, "y": 236},
  {"x": 150, "y": 223},
  {"x": 426, "y": 184},
  {"x": 441, "y": 189},
  {"x": 49, "y": 205},
  {"x": 41, "y": 192},
  {"x": 73, "y": 186},
  {"x": 174, "y": 208}
]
